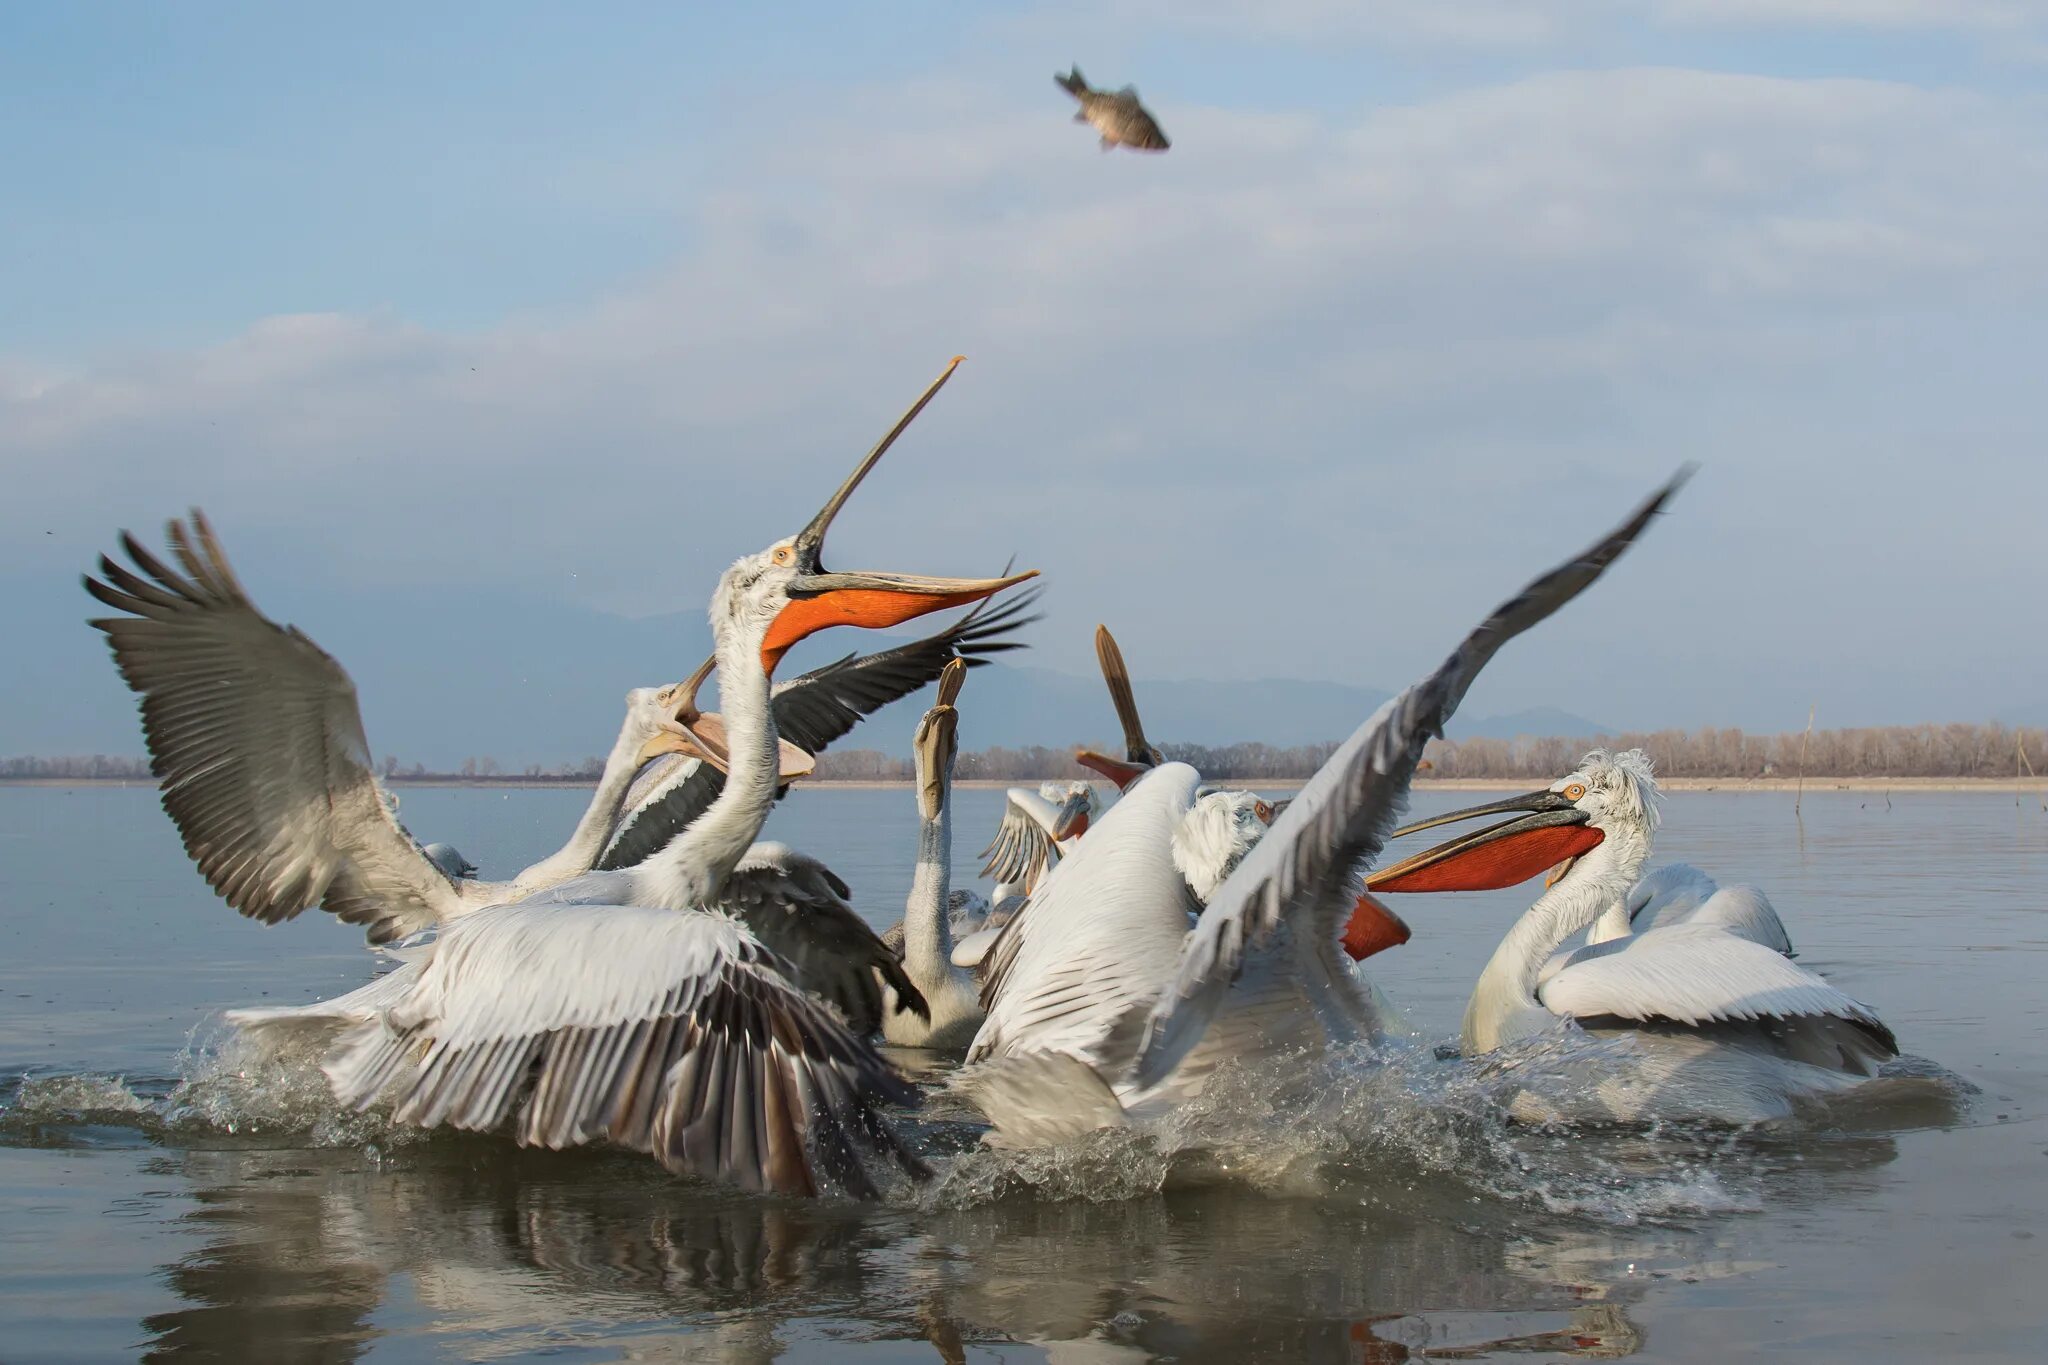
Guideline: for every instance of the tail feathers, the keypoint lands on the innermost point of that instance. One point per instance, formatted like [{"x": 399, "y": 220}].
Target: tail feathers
[
  {"x": 1039, "y": 1099},
  {"x": 1073, "y": 83}
]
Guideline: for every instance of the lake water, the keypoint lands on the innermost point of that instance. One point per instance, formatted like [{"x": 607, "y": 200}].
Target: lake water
[{"x": 1404, "y": 1219}]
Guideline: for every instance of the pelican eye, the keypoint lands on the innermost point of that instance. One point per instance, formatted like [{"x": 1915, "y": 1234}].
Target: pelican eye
[
  {"x": 1575, "y": 791},
  {"x": 784, "y": 554}
]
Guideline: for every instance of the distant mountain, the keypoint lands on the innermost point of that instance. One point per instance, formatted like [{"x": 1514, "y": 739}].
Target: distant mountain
[{"x": 439, "y": 684}]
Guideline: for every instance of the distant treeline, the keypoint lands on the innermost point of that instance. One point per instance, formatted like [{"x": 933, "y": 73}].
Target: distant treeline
[{"x": 1884, "y": 751}]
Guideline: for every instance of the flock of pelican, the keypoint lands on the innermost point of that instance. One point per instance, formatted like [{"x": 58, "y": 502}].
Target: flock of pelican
[{"x": 667, "y": 982}]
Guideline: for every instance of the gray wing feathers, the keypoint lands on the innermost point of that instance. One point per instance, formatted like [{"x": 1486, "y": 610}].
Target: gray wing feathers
[
  {"x": 798, "y": 908},
  {"x": 667, "y": 1033},
  {"x": 1022, "y": 850},
  {"x": 1305, "y": 867},
  {"x": 255, "y": 735}
]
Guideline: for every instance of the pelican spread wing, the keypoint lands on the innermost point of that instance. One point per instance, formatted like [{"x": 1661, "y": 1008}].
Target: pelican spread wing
[
  {"x": 254, "y": 732},
  {"x": 1698, "y": 974},
  {"x": 800, "y": 910},
  {"x": 812, "y": 711},
  {"x": 1303, "y": 874},
  {"x": 671, "y": 1033},
  {"x": 1023, "y": 849}
]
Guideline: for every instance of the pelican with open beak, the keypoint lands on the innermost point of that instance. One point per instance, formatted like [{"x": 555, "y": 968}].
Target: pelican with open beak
[{"x": 1550, "y": 832}]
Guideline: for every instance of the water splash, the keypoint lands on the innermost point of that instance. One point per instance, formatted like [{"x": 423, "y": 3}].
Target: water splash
[{"x": 1398, "y": 1126}]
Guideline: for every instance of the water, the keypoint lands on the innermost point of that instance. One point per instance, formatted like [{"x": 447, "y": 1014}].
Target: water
[{"x": 1391, "y": 1215}]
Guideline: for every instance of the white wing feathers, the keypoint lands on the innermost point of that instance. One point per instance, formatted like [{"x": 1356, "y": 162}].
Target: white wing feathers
[
  {"x": 1023, "y": 850},
  {"x": 664, "y": 1032},
  {"x": 254, "y": 731},
  {"x": 1695, "y": 974},
  {"x": 1682, "y": 894},
  {"x": 1304, "y": 871},
  {"x": 1101, "y": 933}
]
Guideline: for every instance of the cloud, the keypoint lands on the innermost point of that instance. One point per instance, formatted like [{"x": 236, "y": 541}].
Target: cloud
[
  {"x": 1509, "y": 24},
  {"x": 1235, "y": 395}
]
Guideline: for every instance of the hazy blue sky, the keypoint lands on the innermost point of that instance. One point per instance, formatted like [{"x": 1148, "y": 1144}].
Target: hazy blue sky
[{"x": 578, "y": 303}]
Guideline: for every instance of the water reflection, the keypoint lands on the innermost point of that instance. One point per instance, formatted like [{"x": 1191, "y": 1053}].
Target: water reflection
[{"x": 313, "y": 1256}]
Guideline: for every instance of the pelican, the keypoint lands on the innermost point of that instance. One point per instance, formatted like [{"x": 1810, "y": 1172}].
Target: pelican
[
  {"x": 256, "y": 733},
  {"x": 1723, "y": 1027},
  {"x": 258, "y": 738},
  {"x": 1104, "y": 1006},
  {"x": 615, "y": 1006},
  {"x": 950, "y": 993},
  {"x": 1205, "y": 845},
  {"x": 1037, "y": 828}
]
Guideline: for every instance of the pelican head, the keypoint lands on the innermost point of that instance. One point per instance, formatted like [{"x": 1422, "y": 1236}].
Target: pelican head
[
  {"x": 1214, "y": 836},
  {"x": 453, "y": 865},
  {"x": 1077, "y": 805},
  {"x": 1608, "y": 795}
]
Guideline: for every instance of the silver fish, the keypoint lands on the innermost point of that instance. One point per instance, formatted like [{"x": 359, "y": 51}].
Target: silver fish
[{"x": 1116, "y": 114}]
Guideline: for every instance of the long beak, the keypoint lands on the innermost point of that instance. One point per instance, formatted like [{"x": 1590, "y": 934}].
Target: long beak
[
  {"x": 1115, "y": 769},
  {"x": 1501, "y": 855},
  {"x": 1117, "y": 677},
  {"x": 702, "y": 733},
  {"x": 1072, "y": 821},
  {"x": 812, "y": 538},
  {"x": 666, "y": 741},
  {"x": 820, "y": 598},
  {"x": 935, "y": 743},
  {"x": 874, "y": 601}
]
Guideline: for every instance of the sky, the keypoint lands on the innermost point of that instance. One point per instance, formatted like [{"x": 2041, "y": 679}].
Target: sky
[{"x": 574, "y": 305}]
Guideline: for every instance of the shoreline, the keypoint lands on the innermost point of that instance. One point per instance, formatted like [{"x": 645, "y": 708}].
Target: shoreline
[{"x": 1476, "y": 784}]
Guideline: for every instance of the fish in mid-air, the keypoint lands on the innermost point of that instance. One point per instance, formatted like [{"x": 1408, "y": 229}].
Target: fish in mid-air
[{"x": 1116, "y": 114}]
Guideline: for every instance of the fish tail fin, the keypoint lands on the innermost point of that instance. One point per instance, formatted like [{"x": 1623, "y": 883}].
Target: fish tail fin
[{"x": 1073, "y": 83}]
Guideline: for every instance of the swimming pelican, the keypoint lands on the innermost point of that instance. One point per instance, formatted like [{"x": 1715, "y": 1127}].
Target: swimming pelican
[
  {"x": 614, "y": 1007},
  {"x": 950, "y": 992},
  {"x": 1723, "y": 1027},
  {"x": 1103, "y": 1005}
]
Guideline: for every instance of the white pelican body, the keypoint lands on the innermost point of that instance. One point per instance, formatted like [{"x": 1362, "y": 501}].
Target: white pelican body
[
  {"x": 1720, "y": 1026},
  {"x": 1103, "y": 1005}
]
